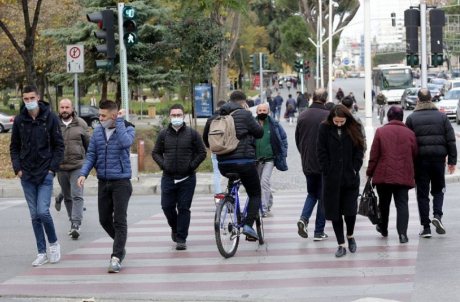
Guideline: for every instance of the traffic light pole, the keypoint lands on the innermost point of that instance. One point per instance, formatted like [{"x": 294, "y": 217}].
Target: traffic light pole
[
  {"x": 123, "y": 63},
  {"x": 423, "y": 59},
  {"x": 261, "y": 77}
]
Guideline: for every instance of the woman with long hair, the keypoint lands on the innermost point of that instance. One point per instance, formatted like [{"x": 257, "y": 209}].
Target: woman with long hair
[{"x": 340, "y": 154}]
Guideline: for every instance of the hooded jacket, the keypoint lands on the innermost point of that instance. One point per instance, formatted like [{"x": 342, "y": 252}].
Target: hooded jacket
[{"x": 37, "y": 146}]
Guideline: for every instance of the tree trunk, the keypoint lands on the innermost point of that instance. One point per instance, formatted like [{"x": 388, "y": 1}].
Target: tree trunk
[{"x": 104, "y": 90}]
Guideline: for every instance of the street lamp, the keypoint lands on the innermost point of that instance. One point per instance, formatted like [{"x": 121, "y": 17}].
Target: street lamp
[{"x": 332, "y": 4}]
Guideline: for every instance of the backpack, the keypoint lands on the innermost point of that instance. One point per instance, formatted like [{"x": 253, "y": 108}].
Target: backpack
[{"x": 222, "y": 134}]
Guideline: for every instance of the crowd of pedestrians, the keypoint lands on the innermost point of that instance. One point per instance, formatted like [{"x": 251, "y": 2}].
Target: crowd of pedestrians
[{"x": 330, "y": 139}]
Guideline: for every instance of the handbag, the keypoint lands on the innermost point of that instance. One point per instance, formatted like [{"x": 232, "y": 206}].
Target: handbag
[{"x": 368, "y": 204}]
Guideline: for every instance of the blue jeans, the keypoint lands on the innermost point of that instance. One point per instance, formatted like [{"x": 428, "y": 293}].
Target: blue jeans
[
  {"x": 216, "y": 174},
  {"x": 314, "y": 188},
  {"x": 176, "y": 200},
  {"x": 38, "y": 199}
]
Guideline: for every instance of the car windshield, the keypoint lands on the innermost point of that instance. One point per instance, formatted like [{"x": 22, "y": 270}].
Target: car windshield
[
  {"x": 432, "y": 87},
  {"x": 396, "y": 78},
  {"x": 452, "y": 94},
  {"x": 412, "y": 91}
]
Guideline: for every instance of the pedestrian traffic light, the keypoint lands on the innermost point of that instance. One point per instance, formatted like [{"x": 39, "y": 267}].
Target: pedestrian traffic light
[
  {"x": 306, "y": 68},
  {"x": 265, "y": 61},
  {"x": 412, "y": 60},
  {"x": 254, "y": 60},
  {"x": 105, "y": 21},
  {"x": 129, "y": 26},
  {"x": 437, "y": 59},
  {"x": 298, "y": 65},
  {"x": 412, "y": 22}
]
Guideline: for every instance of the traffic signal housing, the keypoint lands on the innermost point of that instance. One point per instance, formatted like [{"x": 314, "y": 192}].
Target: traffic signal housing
[
  {"x": 129, "y": 26},
  {"x": 412, "y": 60},
  {"x": 437, "y": 59},
  {"x": 412, "y": 23},
  {"x": 437, "y": 22},
  {"x": 105, "y": 21},
  {"x": 254, "y": 60},
  {"x": 298, "y": 65},
  {"x": 306, "y": 68},
  {"x": 265, "y": 64}
]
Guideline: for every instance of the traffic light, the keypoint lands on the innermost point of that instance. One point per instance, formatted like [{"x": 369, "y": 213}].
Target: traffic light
[
  {"x": 412, "y": 22},
  {"x": 298, "y": 65},
  {"x": 306, "y": 68},
  {"x": 105, "y": 21},
  {"x": 129, "y": 26},
  {"x": 393, "y": 19},
  {"x": 265, "y": 61},
  {"x": 437, "y": 59},
  {"x": 254, "y": 60},
  {"x": 437, "y": 21}
]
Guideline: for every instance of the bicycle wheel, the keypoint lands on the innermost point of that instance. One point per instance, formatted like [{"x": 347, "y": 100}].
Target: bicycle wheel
[
  {"x": 381, "y": 115},
  {"x": 260, "y": 229},
  {"x": 226, "y": 230}
]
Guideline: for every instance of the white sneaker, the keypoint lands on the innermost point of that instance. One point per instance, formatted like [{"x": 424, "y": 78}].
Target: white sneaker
[
  {"x": 40, "y": 260},
  {"x": 55, "y": 252}
]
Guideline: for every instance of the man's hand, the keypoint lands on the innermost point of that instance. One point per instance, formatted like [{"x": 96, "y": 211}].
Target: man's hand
[
  {"x": 451, "y": 169},
  {"x": 81, "y": 181},
  {"x": 121, "y": 113}
]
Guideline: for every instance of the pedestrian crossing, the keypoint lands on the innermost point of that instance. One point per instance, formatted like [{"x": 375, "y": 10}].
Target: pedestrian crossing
[{"x": 287, "y": 267}]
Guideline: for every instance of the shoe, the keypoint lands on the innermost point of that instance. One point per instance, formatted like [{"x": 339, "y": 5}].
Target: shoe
[
  {"x": 381, "y": 231},
  {"x": 173, "y": 236},
  {"x": 264, "y": 214},
  {"x": 438, "y": 224},
  {"x": 341, "y": 251},
  {"x": 74, "y": 231},
  {"x": 302, "y": 228},
  {"x": 114, "y": 265},
  {"x": 352, "y": 244},
  {"x": 249, "y": 231},
  {"x": 55, "y": 252},
  {"x": 403, "y": 238},
  {"x": 426, "y": 233},
  {"x": 58, "y": 202},
  {"x": 40, "y": 260},
  {"x": 181, "y": 246},
  {"x": 320, "y": 236}
]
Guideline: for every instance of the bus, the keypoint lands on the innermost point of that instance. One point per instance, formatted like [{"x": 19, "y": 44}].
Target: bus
[{"x": 392, "y": 80}]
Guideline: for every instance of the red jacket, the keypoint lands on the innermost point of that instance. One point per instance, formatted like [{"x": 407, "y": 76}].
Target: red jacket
[{"x": 392, "y": 155}]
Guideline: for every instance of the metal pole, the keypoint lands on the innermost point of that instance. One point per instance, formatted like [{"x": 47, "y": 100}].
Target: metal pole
[
  {"x": 302, "y": 75},
  {"x": 76, "y": 101},
  {"x": 317, "y": 56},
  {"x": 330, "y": 53},
  {"x": 423, "y": 59},
  {"x": 261, "y": 72},
  {"x": 123, "y": 63},
  {"x": 369, "y": 128},
  {"x": 321, "y": 42}
]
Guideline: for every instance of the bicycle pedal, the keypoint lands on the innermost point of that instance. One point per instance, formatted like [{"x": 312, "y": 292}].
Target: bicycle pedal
[{"x": 250, "y": 239}]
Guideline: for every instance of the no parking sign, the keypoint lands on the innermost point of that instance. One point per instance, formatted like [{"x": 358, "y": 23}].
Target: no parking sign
[{"x": 75, "y": 59}]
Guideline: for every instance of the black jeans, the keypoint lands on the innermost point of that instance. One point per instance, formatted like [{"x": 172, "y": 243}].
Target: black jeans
[
  {"x": 427, "y": 173},
  {"x": 337, "y": 225},
  {"x": 401, "y": 197},
  {"x": 176, "y": 200},
  {"x": 113, "y": 199},
  {"x": 251, "y": 182}
]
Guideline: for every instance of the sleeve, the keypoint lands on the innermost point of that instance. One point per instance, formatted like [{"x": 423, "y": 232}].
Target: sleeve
[
  {"x": 206, "y": 132},
  {"x": 159, "y": 149},
  {"x": 321, "y": 148},
  {"x": 358, "y": 157},
  {"x": 56, "y": 142},
  {"x": 199, "y": 151},
  {"x": 254, "y": 128},
  {"x": 15, "y": 147},
  {"x": 451, "y": 144},
  {"x": 85, "y": 135},
  {"x": 91, "y": 156},
  {"x": 284, "y": 141},
  {"x": 297, "y": 136},
  {"x": 125, "y": 134},
  {"x": 374, "y": 155}
]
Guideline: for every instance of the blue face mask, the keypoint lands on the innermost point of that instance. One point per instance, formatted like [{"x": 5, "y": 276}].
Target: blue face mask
[
  {"x": 177, "y": 121},
  {"x": 31, "y": 105}
]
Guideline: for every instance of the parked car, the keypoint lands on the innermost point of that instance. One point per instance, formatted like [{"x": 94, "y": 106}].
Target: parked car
[
  {"x": 90, "y": 114},
  {"x": 6, "y": 122},
  {"x": 409, "y": 98},
  {"x": 454, "y": 83},
  {"x": 449, "y": 102}
]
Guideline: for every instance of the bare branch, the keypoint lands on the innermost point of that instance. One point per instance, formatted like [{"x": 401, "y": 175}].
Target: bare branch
[{"x": 12, "y": 39}]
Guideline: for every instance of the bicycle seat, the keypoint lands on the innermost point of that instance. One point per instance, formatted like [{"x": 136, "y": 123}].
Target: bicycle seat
[{"x": 232, "y": 176}]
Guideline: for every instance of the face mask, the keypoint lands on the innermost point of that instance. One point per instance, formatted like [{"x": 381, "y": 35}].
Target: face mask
[
  {"x": 106, "y": 124},
  {"x": 31, "y": 105},
  {"x": 177, "y": 121},
  {"x": 262, "y": 116}
]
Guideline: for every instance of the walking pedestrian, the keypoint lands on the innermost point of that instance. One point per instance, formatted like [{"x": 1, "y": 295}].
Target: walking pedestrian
[
  {"x": 271, "y": 151},
  {"x": 108, "y": 152},
  {"x": 278, "y": 100},
  {"x": 306, "y": 135},
  {"x": 243, "y": 159},
  {"x": 178, "y": 150},
  {"x": 436, "y": 141},
  {"x": 76, "y": 140},
  {"x": 340, "y": 150},
  {"x": 391, "y": 167},
  {"x": 36, "y": 150},
  {"x": 290, "y": 109},
  {"x": 302, "y": 102}
]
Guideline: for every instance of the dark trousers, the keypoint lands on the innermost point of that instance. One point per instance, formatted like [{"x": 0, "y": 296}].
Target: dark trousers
[
  {"x": 176, "y": 200},
  {"x": 113, "y": 199},
  {"x": 401, "y": 197},
  {"x": 314, "y": 189},
  {"x": 251, "y": 182},
  {"x": 427, "y": 173},
  {"x": 338, "y": 227}
]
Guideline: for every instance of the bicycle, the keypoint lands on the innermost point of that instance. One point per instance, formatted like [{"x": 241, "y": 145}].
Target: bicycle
[
  {"x": 381, "y": 113},
  {"x": 228, "y": 219}
]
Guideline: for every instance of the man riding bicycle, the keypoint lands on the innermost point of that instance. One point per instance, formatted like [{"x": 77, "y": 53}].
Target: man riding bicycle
[
  {"x": 381, "y": 99},
  {"x": 243, "y": 159}
]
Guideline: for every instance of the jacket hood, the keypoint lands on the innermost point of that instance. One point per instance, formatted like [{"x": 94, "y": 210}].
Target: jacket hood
[
  {"x": 425, "y": 106},
  {"x": 229, "y": 107}
]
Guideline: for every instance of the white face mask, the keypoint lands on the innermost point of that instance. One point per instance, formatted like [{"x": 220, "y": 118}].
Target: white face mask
[
  {"x": 31, "y": 105},
  {"x": 106, "y": 124},
  {"x": 177, "y": 121}
]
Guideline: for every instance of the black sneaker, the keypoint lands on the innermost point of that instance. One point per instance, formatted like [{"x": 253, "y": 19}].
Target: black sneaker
[
  {"x": 74, "y": 231},
  {"x": 341, "y": 251},
  {"x": 438, "y": 224},
  {"x": 426, "y": 233},
  {"x": 320, "y": 236},
  {"x": 58, "y": 201},
  {"x": 181, "y": 246},
  {"x": 302, "y": 228}
]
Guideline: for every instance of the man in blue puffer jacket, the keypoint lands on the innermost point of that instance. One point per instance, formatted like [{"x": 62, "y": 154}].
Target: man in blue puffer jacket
[{"x": 108, "y": 152}]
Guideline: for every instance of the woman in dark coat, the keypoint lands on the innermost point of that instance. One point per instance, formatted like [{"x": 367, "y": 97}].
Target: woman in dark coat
[
  {"x": 340, "y": 154},
  {"x": 391, "y": 167}
]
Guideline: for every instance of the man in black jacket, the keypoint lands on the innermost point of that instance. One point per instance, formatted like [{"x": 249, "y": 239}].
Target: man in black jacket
[
  {"x": 305, "y": 137},
  {"x": 243, "y": 159},
  {"x": 179, "y": 150},
  {"x": 436, "y": 141}
]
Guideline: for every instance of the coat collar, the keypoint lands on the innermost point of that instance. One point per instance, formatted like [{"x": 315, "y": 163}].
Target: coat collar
[{"x": 425, "y": 106}]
